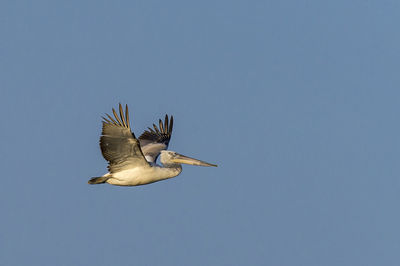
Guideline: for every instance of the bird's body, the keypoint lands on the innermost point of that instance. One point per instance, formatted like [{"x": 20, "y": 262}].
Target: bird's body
[
  {"x": 142, "y": 175},
  {"x": 132, "y": 161}
]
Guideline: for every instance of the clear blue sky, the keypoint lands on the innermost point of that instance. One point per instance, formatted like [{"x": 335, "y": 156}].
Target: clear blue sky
[{"x": 296, "y": 101}]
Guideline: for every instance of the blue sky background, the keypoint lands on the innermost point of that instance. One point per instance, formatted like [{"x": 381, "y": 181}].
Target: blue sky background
[{"x": 297, "y": 101}]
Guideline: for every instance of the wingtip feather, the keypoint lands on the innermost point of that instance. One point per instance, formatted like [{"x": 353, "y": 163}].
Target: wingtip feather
[
  {"x": 166, "y": 124},
  {"x": 116, "y": 117},
  {"x": 127, "y": 116},
  {"x": 171, "y": 123}
]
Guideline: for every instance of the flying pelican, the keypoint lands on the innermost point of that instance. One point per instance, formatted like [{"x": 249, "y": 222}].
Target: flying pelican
[{"x": 132, "y": 161}]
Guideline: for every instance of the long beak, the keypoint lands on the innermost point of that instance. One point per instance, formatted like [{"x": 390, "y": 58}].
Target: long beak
[{"x": 179, "y": 158}]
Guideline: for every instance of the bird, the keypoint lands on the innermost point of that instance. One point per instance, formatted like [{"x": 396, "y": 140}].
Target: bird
[{"x": 131, "y": 160}]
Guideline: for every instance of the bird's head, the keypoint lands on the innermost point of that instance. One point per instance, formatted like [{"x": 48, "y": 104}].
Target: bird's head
[{"x": 171, "y": 157}]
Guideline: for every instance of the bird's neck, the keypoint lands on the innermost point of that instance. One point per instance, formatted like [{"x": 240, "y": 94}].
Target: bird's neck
[{"x": 170, "y": 170}]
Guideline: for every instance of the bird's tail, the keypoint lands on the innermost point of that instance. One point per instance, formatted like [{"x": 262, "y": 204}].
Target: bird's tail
[{"x": 98, "y": 180}]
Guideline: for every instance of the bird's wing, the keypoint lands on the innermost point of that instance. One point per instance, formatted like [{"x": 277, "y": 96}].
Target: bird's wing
[
  {"x": 118, "y": 144},
  {"x": 154, "y": 141}
]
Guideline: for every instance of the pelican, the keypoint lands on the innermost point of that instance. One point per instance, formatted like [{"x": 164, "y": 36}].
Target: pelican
[{"x": 132, "y": 161}]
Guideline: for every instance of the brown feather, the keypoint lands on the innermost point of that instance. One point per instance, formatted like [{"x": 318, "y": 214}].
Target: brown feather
[
  {"x": 161, "y": 126},
  {"x": 127, "y": 116},
  {"x": 116, "y": 117},
  {"x": 155, "y": 127},
  {"x": 121, "y": 114},
  {"x": 171, "y": 123},
  {"x": 113, "y": 121},
  {"x": 166, "y": 123}
]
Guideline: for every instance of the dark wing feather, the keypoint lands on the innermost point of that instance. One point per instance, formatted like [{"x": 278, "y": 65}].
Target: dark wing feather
[
  {"x": 118, "y": 144},
  {"x": 154, "y": 141}
]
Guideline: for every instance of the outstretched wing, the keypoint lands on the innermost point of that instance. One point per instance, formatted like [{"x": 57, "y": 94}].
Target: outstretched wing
[
  {"x": 154, "y": 141},
  {"x": 118, "y": 144}
]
